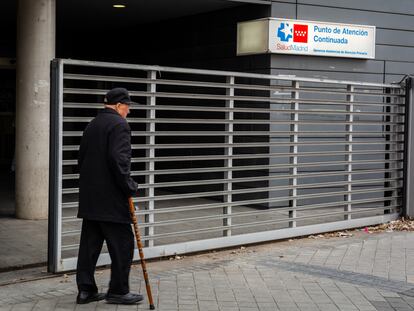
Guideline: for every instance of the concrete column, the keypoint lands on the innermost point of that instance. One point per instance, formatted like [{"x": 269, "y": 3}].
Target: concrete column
[{"x": 35, "y": 49}]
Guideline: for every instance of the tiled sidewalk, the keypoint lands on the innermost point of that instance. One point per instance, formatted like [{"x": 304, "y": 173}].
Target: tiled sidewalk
[{"x": 363, "y": 272}]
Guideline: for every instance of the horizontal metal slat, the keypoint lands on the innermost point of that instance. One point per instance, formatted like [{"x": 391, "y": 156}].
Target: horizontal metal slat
[
  {"x": 250, "y": 179},
  {"x": 250, "y": 167},
  {"x": 270, "y": 134},
  {"x": 252, "y": 145},
  {"x": 250, "y": 156},
  {"x": 323, "y": 185},
  {"x": 248, "y": 145},
  {"x": 236, "y": 168},
  {"x": 222, "y": 73},
  {"x": 227, "y": 97},
  {"x": 191, "y": 83},
  {"x": 233, "y": 215},
  {"x": 263, "y": 201},
  {"x": 69, "y": 219},
  {"x": 250, "y": 213},
  {"x": 251, "y": 224},
  {"x": 262, "y": 167},
  {"x": 240, "y": 121},
  {"x": 258, "y": 223},
  {"x": 256, "y": 201},
  {"x": 242, "y": 110},
  {"x": 251, "y": 190}
]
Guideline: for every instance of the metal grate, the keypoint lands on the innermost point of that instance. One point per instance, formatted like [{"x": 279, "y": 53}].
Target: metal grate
[{"x": 228, "y": 158}]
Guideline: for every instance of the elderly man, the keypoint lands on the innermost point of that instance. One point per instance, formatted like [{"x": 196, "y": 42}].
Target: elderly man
[{"x": 105, "y": 185}]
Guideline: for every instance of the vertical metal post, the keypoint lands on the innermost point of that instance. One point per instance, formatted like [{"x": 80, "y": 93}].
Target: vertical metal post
[
  {"x": 150, "y": 154},
  {"x": 387, "y": 130},
  {"x": 55, "y": 168},
  {"x": 348, "y": 148},
  {"x": 408, "y": 198},
  {"x": 229, "y": 153},
  {"x": 294, "y": 139},
  {"x": 394, "y": 146}
]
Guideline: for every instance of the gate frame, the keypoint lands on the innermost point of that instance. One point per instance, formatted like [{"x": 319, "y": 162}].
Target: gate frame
[
  {"x": 408, "y": 194},
  {"x": 55, "y": 171},
  {"x": 57, "y": 264}
]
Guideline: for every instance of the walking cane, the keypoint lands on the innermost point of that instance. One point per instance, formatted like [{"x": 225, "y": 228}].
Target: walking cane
[{"x": 141, "y": 253}]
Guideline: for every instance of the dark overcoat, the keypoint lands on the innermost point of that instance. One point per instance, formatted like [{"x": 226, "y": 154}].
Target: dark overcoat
[{"x": 104, "y": 162}]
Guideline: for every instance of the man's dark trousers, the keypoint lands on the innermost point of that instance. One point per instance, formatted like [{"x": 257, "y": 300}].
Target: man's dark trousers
[{"x": 120, "y": 242}]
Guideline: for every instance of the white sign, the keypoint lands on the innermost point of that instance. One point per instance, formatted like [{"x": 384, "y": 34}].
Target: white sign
[{"x": 287, "y": 36}]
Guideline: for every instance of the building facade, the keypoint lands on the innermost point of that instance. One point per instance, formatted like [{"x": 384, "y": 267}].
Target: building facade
[{"x": 201, "y": 34}]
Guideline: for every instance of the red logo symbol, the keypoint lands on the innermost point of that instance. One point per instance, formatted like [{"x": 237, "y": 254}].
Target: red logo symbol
[{"x": 300, "y": 33}]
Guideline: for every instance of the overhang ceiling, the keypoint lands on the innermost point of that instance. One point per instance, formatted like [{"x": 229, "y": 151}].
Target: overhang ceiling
[
  {"x": 7, "y": 14},
  {"x": 78, "y": 14}
]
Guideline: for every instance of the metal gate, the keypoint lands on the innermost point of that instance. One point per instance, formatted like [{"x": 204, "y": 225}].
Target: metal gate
[{"x": 230, "y": 158}]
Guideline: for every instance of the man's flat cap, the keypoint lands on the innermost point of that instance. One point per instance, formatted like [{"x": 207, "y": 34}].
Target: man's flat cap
[{"x": 118, "y": 95}]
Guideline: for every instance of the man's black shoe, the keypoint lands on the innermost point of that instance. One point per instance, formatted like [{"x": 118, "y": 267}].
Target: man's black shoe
[
  {"x": 87, "y": 297},
  {"x": 127, "y": 299}
]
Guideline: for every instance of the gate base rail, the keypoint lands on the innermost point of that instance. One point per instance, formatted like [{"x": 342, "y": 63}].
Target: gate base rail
[{"x": 242, "y": 239}]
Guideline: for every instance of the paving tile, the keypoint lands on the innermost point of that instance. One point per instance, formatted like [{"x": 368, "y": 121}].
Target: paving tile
[
  {"x": 360, "y": 274},
  {"x": 27, "y": 306}
]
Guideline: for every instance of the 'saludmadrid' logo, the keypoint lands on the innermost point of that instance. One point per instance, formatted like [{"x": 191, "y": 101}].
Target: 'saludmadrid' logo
[
  {"x": 284, "y": 32},
  {"x": 299, "y": 32}
]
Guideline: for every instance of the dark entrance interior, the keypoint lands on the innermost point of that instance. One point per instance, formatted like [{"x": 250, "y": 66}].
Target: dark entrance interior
[
  {"x": 7, "y": 106},
  {"x": 7, "y": 135}
]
